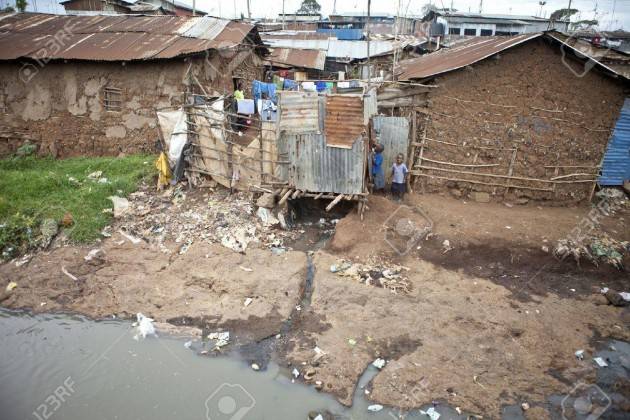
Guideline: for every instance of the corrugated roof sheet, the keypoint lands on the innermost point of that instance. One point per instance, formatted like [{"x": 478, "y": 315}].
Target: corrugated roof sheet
[
  {"x": 116, "y": 38},
  {"x": 394, "y": 136},
  {"x": 461, "y": 55},
  {"x": 344, "y": 121},
  {"x": 616, "y": 163},
  {"x": 311, "y": 59}
]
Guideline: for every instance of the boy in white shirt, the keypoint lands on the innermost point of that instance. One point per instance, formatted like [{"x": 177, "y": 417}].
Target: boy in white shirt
[{"x": 399, "y": 177}]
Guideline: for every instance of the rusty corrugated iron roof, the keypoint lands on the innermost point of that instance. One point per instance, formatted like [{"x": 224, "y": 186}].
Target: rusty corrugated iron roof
[
  {"x": 310, "y": 59},
  {"x": 116, "y": 38},
  {"x": 461, "y": 55},
  {"x": 344, "y": 121}
]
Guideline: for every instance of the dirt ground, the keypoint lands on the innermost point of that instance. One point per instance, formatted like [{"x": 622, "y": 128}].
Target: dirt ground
[{"x": 491, "y": 319}]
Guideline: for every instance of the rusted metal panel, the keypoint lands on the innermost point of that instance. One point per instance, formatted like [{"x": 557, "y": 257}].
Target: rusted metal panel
[
  {"x": 459, "y": 56},
  {"x": 310, "y": 59},
  {"x": 16, "y": 45},
  {"x": 299, "y": 112},
  {"x": 314, "y": 167},
  {"x": 344, "y": 121},
  {"x": 115, "y": 38},
  {"x": 393, "y": 134}
]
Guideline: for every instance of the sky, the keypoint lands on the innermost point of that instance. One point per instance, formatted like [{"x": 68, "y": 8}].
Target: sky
[{"x": 612, "y": 14}]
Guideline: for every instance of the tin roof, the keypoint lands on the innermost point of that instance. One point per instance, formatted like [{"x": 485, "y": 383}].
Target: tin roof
[
  {"x": 616, "y": 165},
  {"x": 461, "y": 55},
  {"x": 310, "y": 59},
  {"x": 116, "y": 38}
]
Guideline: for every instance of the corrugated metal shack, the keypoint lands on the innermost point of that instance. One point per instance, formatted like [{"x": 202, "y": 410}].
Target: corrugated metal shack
[{"x": 325, "y": 139}]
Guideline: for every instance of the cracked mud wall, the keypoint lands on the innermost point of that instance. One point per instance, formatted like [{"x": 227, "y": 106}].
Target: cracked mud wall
[
  {"x": 62, "y": 107},
  {"x": 525, "y": 98}
]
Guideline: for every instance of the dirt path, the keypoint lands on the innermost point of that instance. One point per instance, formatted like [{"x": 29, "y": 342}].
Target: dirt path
[{"x": 495, "y": 320}]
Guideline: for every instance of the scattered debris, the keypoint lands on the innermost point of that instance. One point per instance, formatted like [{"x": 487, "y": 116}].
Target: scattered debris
[
  {"x": 188, "y": 344},
  {"x": 92, "y": 254},
  {"x": 433, "y": 415},
  {"x": 616, "y": 298},
  {"x": 145, "y": 327},
  {"x": 446, "y": 246},
  {"x": 247, "y": 269},
  {"x": 121, "y": 205},
  {"x": 222, "y": 339},
  {"x": 379, "y": 363},
  {"x": 255, "y": 367},
  {"x": 375, "y": 408},
  {"x": 309, "y": 374},
  {"x": 375, "y": 273},
  {"x": 12, "y": 285},
  {"x": 600, "y": 361},
  {"x": 595, "y": 249},
  {"x": 352, "y": 342},
  {"x": 248, "y": 301},
  {"x": 64, "y": 271},
  {"x": 525, "y": 406},
  {"x": 295, "y": 373},
  {"x": 132, "y": 239},
  {"x": 579, "y": 354}
]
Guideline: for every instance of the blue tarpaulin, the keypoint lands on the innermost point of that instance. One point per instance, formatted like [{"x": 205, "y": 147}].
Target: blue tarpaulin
[
  {"x": 616, "y": 163},
  {"x": 344, "y": 33}
]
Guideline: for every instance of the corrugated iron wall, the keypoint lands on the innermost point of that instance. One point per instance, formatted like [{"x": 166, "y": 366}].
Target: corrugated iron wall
[
  {"x": 344, "y": 121},
  {"x": 316, "y": 167},
  {"x": 616, "y": 163},
  {"x": 299, "y": 112},
  {"x": 394, "y": 136}
]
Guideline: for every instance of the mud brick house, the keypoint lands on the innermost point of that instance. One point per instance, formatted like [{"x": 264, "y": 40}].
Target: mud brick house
[
  {"x": 523, "y": 117},
  {"x": 91, "y": 85}
]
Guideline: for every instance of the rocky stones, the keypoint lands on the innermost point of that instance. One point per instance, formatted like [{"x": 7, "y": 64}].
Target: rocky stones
[
  {"x": 266, "y": 200},
  {"x": 480, "y": 196}
]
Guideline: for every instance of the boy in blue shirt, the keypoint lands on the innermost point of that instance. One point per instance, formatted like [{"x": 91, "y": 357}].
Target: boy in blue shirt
[
  {"x": 377, "y": 168},
  {"x": 399, "y": 177}
]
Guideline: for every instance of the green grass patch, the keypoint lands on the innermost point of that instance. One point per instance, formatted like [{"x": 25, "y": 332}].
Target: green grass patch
[{"x": 34, "y": 189}]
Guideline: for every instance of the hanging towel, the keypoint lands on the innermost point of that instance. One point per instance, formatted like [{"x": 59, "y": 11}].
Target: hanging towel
[
  {"x": 321, "y": 86},
  {"x": 290, "y": 84}
]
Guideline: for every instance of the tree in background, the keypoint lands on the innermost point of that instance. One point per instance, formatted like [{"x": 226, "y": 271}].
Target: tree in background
[
  {"x": 563, "y": 14},
  {"x": 310, "y": 7},
  {"x": 584, "y": 25},
  {"x": 428, "y": 7},
  {"x": 21, "y": 5}
]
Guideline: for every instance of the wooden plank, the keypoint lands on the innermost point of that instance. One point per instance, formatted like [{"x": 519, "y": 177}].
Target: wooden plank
[{"x": 334, "y": 202}]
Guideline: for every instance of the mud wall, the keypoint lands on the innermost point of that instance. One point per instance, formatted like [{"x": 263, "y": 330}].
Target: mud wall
[
  {"x": 520, "y": 116},
  {"x": 62, "y": 107}
]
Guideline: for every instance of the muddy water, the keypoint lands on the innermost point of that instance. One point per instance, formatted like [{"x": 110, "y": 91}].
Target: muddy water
[{"x": 69, "y": 367}]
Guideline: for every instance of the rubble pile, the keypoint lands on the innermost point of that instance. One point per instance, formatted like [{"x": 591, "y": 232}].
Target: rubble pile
[
  {"x": 214, "y": 216},
  {"x": 596, "y": 249},
  {"x": 375, "y": 273}
]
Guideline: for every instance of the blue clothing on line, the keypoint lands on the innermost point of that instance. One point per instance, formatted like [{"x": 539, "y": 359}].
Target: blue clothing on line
[
  {"x": 321, "y": 86},
  {"x": 258, "y": 88},
  {"x": 290, "y": 84}
]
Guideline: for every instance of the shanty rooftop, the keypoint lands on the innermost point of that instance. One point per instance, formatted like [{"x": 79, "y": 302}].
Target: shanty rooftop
[
  {"x": 116, "y": 37},
  {"x": 479, "y": 48}
]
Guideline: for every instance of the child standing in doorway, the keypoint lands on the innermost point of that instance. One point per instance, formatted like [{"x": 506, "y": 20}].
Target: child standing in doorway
[
  {"x": 377, "y": 168},
  {"x": 399, "y": 177}
]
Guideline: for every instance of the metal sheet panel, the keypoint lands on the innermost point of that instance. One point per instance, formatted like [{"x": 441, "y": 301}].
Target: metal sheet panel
[
  {"x": 460, "y": 56},
  {"x": 115, "y": 38},
  {"x": 315, "y": 167},
  {"x": 310, "y": 59},
  {"x": 344, "y": 120},
  {"x": 393, "y": 133},
  {"x": 299, "y": 112},
  {"x": 616, "y": 163}
]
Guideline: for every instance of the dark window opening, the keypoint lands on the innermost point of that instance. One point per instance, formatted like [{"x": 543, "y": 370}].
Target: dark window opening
[
  {"x": 454, "y": 31},
  {"x": 472, "y": 32},
  {"x": 486, "y": 32},
  {"x": 112, "y": 99}
]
